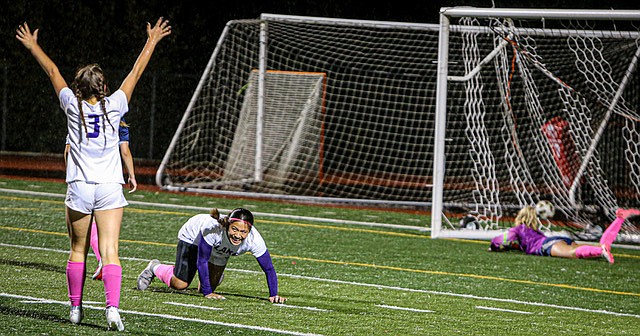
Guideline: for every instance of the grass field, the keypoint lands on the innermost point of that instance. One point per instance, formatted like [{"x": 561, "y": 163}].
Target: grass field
[{"x": 340, "y": 278}]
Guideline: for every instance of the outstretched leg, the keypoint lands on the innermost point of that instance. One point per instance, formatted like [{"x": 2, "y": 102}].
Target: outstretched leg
[
  {"x": 588, "y": 251},
  {"x": 609, "y": 235},
  {"x": 611, "y": 232},
  {"x": 574, "y": 250}
]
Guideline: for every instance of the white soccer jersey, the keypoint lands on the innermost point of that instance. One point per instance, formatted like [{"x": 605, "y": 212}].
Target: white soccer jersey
[
  {"x": 94, "y": 154},
  {"x": 216, "y": 236}
]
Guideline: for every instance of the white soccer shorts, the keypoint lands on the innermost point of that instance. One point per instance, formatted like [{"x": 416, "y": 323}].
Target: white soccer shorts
[{"x": 87, "y": 197}]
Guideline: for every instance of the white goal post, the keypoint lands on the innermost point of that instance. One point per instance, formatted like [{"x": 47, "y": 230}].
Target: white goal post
[
  {"x": 536, "y": 104},
  {"x": 312, "y": 109}
]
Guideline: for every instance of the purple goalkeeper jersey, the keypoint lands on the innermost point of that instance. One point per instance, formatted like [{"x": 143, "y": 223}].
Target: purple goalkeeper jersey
[{"x": 530, "y": 240}]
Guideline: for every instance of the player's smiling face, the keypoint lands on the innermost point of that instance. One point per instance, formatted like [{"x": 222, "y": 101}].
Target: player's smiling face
[{"x": 238, "y": 231}]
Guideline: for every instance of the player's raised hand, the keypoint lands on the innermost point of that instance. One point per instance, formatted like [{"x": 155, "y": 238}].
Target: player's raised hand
[
  {"x": 24, "y": 35},
  {"x": 159, "y": 30}
]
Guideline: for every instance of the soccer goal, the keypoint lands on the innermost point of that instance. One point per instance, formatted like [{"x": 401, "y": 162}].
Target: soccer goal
[
  {"x": 491, "y": 110},
  {"x": 312, "y": 109},
  {"x": 536, "y": 104}
]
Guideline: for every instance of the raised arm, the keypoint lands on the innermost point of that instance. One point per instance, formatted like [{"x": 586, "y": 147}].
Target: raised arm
[
  {"x": 30, "y": 41},
  {"x": 154, "y": 35}
]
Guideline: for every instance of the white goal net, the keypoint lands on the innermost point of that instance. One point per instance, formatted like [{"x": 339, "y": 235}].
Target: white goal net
[
  {"x": 290, "y": 144},
  {"x": 316, "y": 109},
  {"x": 532, "y": 105},
  {"x": 486, "y": 112}
]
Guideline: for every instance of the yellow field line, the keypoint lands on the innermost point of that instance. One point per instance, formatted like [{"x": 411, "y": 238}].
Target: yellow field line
[
  {"x": 33, "y": 231},
  {"x": 393, "y": 268},
  {"x": 329, "y": 227},
  {"x": 474, "y": 276},
  {"x": 344, "y": 229}
]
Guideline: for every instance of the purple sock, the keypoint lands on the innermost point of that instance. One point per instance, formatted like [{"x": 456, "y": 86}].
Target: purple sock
[
  {"x": 94, "y": 240},
  {"x": 112, "y": 279},
  {"x": 611, "y": 232},
  {"x": 588, "y": 251},
  {"x": 164, "y": 273},
  {"x": 75, "y": 281}
]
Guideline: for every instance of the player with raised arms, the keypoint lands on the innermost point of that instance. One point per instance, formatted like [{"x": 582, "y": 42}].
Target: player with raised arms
[
  {"x": 94, "y": 169},
  {"x": 205, "y": 243}
]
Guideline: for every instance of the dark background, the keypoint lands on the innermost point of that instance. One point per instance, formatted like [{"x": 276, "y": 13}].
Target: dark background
[{"x": 112, "y": 33}]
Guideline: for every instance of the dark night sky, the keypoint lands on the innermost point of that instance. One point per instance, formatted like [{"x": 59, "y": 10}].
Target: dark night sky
[
  {"x": 112, "y": 32},
  {"x": 197, "y": 24},
  {"x": 119, "y": 24}
]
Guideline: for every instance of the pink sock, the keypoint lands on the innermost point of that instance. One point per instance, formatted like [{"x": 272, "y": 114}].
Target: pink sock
[
  {"x": 75, "y": 281},
  {"x": 164, "y": 273},
  {"x": 588, "y": 251},
  {"x": 611, "y": 232},
  {"x": 94, "y": 240},
  {"x": 112, "y": 279}
]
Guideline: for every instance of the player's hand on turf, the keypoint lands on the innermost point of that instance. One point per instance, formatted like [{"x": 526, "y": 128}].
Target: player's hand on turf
[
  {"x": 159, "y": 30},
  {"x": 215, "y": 296},
  {"x": 24, "y": 35},
  {"x": 277, "y": 299}
]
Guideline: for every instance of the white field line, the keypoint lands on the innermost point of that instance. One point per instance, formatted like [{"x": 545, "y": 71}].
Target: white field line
[
  {"x": 40, "y": 301},
  {"x": 504, "y": 310},
  {"x": 407, "y": 309},
  {"x": 166, "y": 316},
  {"x": 191, "y": 305},
  {"x": 301, "y": 307},
  {"x": 265, "y": 214},
  {"x": 467, "y": 296}
]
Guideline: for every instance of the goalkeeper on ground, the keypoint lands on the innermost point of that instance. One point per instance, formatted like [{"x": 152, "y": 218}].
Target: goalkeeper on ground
[{"x": 526, "y": 237}]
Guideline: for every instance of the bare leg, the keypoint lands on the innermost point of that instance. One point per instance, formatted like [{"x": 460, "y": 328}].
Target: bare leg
[
  {"x": 78, "y": 225},
  {"x": 177, "y": 283},
  {"x": 109, "y": 223},
  {"x": 563, "y": 250}
]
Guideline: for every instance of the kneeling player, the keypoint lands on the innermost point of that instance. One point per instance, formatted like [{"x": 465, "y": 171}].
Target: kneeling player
[{"x": 206, "y": 242}]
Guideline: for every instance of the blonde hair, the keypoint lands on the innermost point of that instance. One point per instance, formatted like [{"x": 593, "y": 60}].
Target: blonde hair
[{"x": 528, "y": 217}]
